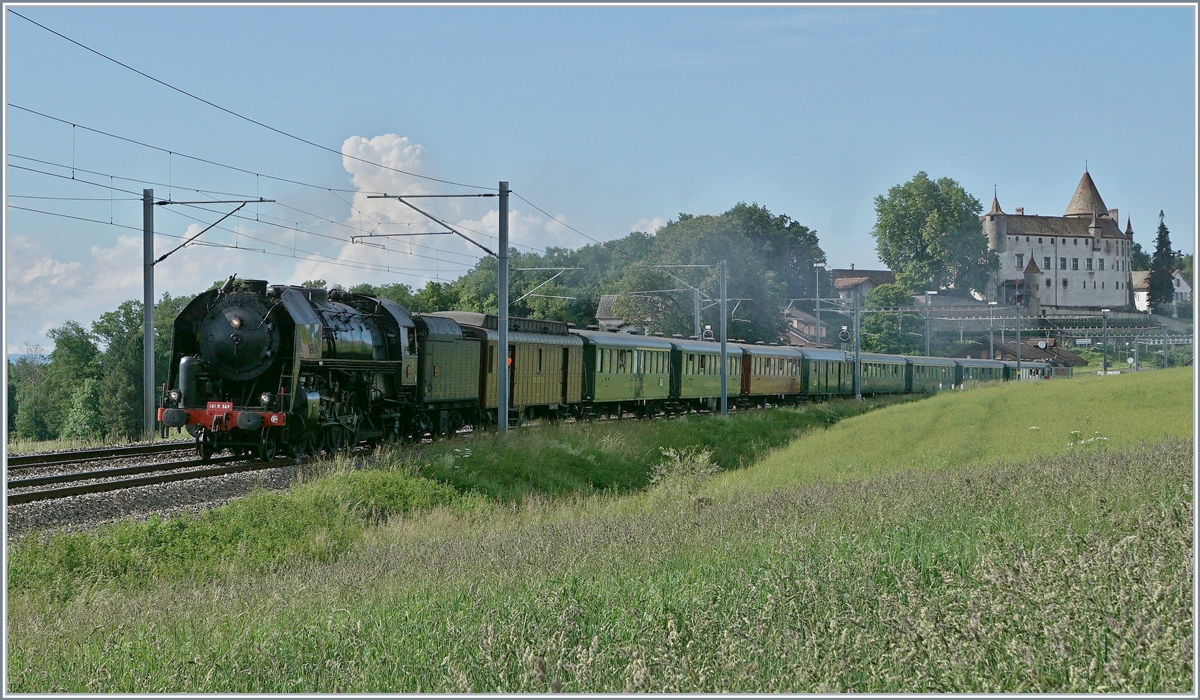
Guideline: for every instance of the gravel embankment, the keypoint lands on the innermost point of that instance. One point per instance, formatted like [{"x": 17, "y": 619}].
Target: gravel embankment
[{"x": 88, "y": 510}]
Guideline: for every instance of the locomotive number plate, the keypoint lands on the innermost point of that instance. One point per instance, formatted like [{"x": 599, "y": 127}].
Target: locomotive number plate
[{"x": 220, "y": 405}]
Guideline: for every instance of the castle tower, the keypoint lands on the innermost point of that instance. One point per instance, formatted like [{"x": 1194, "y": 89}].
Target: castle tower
[
  {"x": 1033, "y": 289},
  {"x": 1086, "y": 201},
  {"x": 995, "y": 227}
]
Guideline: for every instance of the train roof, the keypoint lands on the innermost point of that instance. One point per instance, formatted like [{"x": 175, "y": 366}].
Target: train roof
[
  {"x": 882, "y": 359},
  {"x": 515, "y": 323},
  {"x": 706, "y": 346},
  {"x": 756, "y": 350},
  {"x": 934, "y": 361},
  {"x": 622, "y": 340},
  {"x": 1024, "y": 363},
  {"x": 979, "y": 363},
  {"x": 439, "y": 328},
  {"x": 826, "y": 355}
]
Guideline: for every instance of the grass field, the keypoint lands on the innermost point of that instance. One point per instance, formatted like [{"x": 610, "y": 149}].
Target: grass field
[{"x": 880, "y": 554}]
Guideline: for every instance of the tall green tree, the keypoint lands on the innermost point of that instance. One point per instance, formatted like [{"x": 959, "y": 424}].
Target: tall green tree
[
  {"x": 1162, "y": 288},
  {"x": 28, "y": 406},
  {"x": 1139, "y": 260},
  {"x": 767, "y": 256},
  {"x": 121, "y": 381},
  {"x": 929, "y": 233},
  {"x": 72, "y": 362},
  {"x": 897, "y": 332}
]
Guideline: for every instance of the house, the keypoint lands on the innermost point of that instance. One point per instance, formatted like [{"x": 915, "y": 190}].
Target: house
[
  {"x": 1181, "y": 293},
  {"x": 1141, "y": 290},
  {"x": 802, "y": 328},
  {"x": 848, "y": 284},
  {"x": 1081, "y": 258}
]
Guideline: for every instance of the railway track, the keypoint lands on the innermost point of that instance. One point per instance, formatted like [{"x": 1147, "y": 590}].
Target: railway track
[
  {"x": 100, "y": 480},
  {"x": 53, "y": 459}
]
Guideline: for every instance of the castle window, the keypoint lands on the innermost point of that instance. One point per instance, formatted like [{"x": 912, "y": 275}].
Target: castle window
[
  {"x": 1051, "y": 241},
  {"x": 1046, "y": 263},
  {"x": 1027, "y": 239},
  {"x": 1064, "y": 283},
  {"x": 1047, "y": 281},
  {"x": 1062, "y": 263},
  {"x": 1102, "y": 285},
  {"x": 1089, "y": 263},
  {"x": 1101, "y": 263},
  {"x": 1020, "y": 260},
  {"x": 1075, "y": 261},
  {"x": 1076, "y": 240},
  {"x": 1039, "y": 240}
]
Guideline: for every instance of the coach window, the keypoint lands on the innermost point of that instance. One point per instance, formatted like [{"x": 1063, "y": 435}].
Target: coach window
[
  {"x": 539, "y": 361},
  {"x": 491, "y": 359}
]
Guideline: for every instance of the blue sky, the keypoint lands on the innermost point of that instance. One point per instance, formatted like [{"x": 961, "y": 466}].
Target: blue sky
[{"x": 611, "y": 119}]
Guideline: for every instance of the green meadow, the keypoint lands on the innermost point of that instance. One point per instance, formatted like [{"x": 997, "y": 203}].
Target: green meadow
[{"x": 1009, "y": 538}]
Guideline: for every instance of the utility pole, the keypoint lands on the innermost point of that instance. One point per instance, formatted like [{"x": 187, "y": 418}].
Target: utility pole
[
  {"x": 724, "y": 353},
  {"x": 928, "y": 295},
  {"x": 149, "y": 404},
  {"x": 1166, "y": 356},
  {"x": 857, "y": 353},
  {"x": 696, "y": 297},
  {"x": 502, "y": 318},
  {"x": 1136, "y": 364},
  {"x": 1018, "y": 340},
  {"x": 1104, "y": 336},
  {"x": 991, "y": 335},
  {"x": 817, "y": 267}
]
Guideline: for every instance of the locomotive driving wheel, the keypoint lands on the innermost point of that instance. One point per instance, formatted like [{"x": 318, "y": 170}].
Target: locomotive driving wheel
[{"x": 267, "y": 446}]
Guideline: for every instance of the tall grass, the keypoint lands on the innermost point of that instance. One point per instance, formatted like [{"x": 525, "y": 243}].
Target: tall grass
[
  {"x": 1004, "y": 422},
  {"x": 616, "y": 455},
  {"x": 338, "y": 502},
  {"x": 970, "y": 581},
  {"x": 915, "y": 557}
]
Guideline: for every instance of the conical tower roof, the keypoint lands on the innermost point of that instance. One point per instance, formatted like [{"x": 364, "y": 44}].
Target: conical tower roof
[{"x": 1086, "y": 201}]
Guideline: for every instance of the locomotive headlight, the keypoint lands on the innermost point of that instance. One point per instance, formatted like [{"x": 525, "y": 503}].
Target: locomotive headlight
[
  {"x": 265, "y": 398},
  {"x": 173, "y": 394},
  {"x": 236, "y": 322}
]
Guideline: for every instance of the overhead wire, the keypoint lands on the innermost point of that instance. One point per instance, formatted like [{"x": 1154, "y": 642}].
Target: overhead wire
[
  {"x": 328, "y": 260},
  {"x": 269, "y": 223},
  {"x": 331, "y": 190},
  {"x": 242, "y": 116}
]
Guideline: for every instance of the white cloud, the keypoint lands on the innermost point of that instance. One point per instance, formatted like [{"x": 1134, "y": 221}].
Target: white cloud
[{"x": 648, "y": 225}]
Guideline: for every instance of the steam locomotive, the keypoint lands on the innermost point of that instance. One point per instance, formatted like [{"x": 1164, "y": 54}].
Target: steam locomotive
[{"x": 263, "y": 369}]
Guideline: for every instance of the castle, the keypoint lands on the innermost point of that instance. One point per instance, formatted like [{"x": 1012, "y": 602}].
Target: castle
[{"x": 1079, "y": 259}]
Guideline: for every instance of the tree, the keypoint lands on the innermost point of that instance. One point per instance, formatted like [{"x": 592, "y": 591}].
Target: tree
[
  {"x": 28, "y": 407},
  {"x": 83, "y": 421},
  {"x": 891, "y": 332},
  {"x": 120, "y": 332},
  {"x": 1139, "y": 260},
  {"x": 929, "y": 233},
  {"x": 1162, "y": 287},
  {"x": 72, "y": 362}
]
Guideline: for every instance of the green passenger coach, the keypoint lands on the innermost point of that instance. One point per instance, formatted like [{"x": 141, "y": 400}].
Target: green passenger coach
[
  {"x": 696, "y": 375},
  {"x": 623, "y": 371}
]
